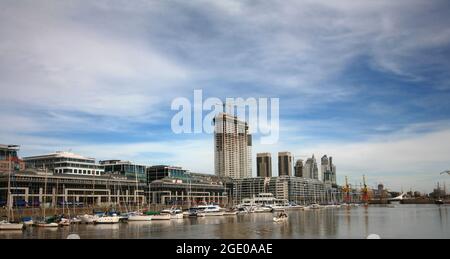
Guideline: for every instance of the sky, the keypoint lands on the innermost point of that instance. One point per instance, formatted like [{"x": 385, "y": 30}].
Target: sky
[{"x": 366, "y": 82}]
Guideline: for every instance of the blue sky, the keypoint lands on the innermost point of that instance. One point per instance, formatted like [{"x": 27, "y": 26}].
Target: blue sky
[{"x": 366, "y": 82}]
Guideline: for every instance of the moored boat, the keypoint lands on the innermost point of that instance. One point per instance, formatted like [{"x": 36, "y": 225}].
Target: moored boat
[{"x": 5, "y": 225}]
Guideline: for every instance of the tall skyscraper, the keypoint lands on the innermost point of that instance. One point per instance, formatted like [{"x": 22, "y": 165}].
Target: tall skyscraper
[
  {"x": 233, "y": 147},
  {"x": 298, "y": 168},
  {"x": 310, "y": 169},
  {"x": 284, "y": 163},
  {"x": 328, "y": 170},
  {"x": 264, "y": 164}
]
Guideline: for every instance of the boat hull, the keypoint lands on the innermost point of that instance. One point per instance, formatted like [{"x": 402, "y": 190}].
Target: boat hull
[
  {"x": 107, "y": 220},
  {"x": 47, "y": 225},
  {"x": 11, "y": 226},
  {"x": 161, "y": 217},
  {"x": 139, "y": 218}
]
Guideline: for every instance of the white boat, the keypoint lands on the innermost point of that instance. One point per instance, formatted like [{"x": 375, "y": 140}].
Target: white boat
[
  {"x": 46, "y": 225},
  {"x": 281, "y": 217},
  {"x": 87, "y": 219},
  {"x": 114, "y": 219},
  {"x": 64, "y": 222},
  {"x": 162, "y": 216},
  {"x": 230, "y": 213},
  {"x": 139, "y": 217},
  {"x": 315, "y": 206},
  {"x": 209, "y": 210},
  {"x": 174, "y": 213},
  {"x": 262, "y": 209},
  {"x": 5, "y": 225},
  {"x": 75, "y": 220}
]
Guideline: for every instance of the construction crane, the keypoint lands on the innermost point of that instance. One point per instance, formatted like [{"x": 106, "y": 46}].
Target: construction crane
[
  {"x": 365, "y": 191},
  {"x": 346, "y": 190}
]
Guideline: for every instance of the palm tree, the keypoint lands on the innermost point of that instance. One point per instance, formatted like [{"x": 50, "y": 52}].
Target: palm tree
[{"x": 446, "y": 172}]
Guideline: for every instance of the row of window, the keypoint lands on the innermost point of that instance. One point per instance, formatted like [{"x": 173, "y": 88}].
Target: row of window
[{"x": 77, "y": 171}]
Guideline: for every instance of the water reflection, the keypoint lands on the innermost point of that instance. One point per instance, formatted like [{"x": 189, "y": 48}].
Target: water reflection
[{"x": 403, "y": 221}]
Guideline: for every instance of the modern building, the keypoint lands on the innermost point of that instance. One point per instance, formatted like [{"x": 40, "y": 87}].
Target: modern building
[
  {"x": 264, "y": 165},
  {"x": 328, "y": 170},
  {"x": 294, "y": 189},
  {"x": 232, "y": 146},
  {"x": 298, "y": 168},
  {"x": 159, "y": 172},
  {"x": 34, "y": 188},
  {"x": 284, "y": 164},
  {"x": 65, "y": 163},
  {"x": 310, "y": 169},
  {"x": 125, "y": 168},
  {"x": 9, "y": 160},
  {"x": 194, "y": 189}
]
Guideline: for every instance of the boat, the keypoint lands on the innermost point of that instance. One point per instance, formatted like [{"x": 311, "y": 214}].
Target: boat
[
  {"x": 174, "y": 213},
  {"x": 263, "y": 202},
  {"x": 106, "y": 219},
  {"x": 44, "y": 224},
  {"x": 64, "y": 222},
  {"x": 162, "y": 216},
  {"x": 281, "y": 217},
  {"x": 209, "y": 210},
  {"x": 439, "y": 202},
  {"x": 28, "y": 221},
  {"x": 87, "y": 219},
  {"x": 315, "y": 206},
  {"x": 137, "y": 216},
  {"x": 6, "y": 225},
  {"x": 230, "y": 213},
  {"x": 262, "y": 209},
  {"x": 75, "y": 220}
]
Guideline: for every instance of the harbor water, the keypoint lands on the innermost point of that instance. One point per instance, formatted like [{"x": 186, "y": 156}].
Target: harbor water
[{"x": 401, "y": 221}]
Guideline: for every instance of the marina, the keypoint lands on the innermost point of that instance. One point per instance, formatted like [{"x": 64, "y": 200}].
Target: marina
[{"x": 401, "y": 221}]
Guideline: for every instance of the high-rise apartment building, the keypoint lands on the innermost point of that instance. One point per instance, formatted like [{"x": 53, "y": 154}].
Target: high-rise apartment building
[
  {"x": 298, "y": 168},
  {"x": 310, "y": 169},
  {"x": 232, "y": 146},
  {"x": 284, "y": 164},
  {"x": 264, "y": 165}
]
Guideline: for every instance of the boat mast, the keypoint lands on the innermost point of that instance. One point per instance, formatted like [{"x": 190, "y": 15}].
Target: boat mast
[
  {"x": 45, "y": 190},
  {"x": 9, "y": 189}
]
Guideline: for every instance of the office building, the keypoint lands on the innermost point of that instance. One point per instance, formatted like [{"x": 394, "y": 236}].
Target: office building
[
  {"x": 125, "y": 168},
  {"x": 298, "y": 168},
  {"x": 264, "y": 165},
  {"x": 310, "y": 168},
  {"x": 65, "y": 163},
  {"x": 284, "y": 164},
  {"x": 9, "y": 160}
]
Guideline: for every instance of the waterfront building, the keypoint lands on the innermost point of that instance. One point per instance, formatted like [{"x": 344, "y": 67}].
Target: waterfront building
[
  {"x": 9, "y": 159},
  {"x": 125, "y": 168},
  {"x": 326, "y": 170},
  {"x": 264, "y": 165},
  {"x": 158, "y": 172},
  {"x": 284, "y": 164},
  {"x": 33, "y": 188},
  {"x": 191, "y": 190},
  {"x": 65, "y": 163},
  {"x": 298, "y": 168},
  {"x": 311, "y": 170},
  {"x": 232, "y": 148},
  {"x": 295, "y": 189}
]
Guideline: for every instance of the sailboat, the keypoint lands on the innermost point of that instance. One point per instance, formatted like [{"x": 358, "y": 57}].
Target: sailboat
[
  {"x": 44, "y": 223},
  {"x": 138, "y": 215},
  {"x": 7, "y": 224}
]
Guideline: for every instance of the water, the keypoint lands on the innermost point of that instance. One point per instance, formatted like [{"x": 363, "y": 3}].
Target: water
[{"x": 403, "y": 221}]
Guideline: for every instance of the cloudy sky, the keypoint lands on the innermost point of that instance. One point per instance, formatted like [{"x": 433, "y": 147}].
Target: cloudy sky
[{"x": 367, "y": 82}]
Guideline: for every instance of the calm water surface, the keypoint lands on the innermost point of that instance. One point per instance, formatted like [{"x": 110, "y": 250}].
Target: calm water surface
[{"x": 403, "y": 221}]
